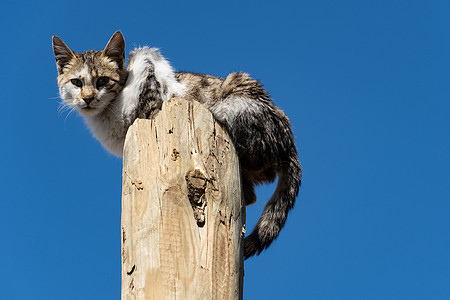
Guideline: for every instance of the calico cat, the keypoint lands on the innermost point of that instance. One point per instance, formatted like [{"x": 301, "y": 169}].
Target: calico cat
[{"x": 110, "y": 96}]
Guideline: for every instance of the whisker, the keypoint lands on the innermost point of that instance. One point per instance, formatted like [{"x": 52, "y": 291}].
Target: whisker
[
  {"x": 67, "y": 116},
  {"x": 109, "y": 108},
  {"x": 63, "y": 107}
]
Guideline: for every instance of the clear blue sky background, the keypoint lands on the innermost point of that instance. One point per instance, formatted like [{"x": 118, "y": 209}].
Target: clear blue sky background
[{"x": 365, "y": 84}]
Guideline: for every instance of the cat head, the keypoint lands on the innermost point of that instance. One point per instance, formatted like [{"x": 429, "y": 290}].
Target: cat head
[{"x": 91, "y": 80}]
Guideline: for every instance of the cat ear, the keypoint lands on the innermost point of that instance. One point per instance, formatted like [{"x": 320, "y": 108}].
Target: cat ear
[
  {"x": 63, "y": 54},
  {"x": 115, "y": 49}
]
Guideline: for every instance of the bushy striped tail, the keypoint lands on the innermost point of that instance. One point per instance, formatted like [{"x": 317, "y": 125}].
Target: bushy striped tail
[{"x": 276, "y": 210}]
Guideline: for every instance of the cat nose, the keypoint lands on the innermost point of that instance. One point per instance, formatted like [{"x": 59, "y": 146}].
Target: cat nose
[{"x": 88, "y": 98}]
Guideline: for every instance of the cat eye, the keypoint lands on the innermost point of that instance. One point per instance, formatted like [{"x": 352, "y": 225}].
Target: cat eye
[
  {"x": 76, "y": 82},
  {"x": 102, "y": 81}
]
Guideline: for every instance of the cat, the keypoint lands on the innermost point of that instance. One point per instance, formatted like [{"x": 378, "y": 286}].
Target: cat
[{"x": 110, "y": 96}]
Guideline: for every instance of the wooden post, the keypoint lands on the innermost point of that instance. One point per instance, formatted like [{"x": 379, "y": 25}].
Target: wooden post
[{"x": 182, "y": 208}]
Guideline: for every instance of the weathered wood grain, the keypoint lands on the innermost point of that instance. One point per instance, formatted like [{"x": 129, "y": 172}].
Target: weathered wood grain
[{"x": 182, "y": 208}]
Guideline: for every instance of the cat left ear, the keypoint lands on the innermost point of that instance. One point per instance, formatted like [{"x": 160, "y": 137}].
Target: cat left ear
[
  {"x": 115, "y": 49},
  {"x": 63, "y": 54}
]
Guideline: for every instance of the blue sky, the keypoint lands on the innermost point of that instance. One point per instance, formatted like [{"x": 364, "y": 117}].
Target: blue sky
[{"x": 365, "y": 84}]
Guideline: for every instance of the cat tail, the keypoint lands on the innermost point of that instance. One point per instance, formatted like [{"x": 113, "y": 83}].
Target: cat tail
[{"x": 276, "y": 210}]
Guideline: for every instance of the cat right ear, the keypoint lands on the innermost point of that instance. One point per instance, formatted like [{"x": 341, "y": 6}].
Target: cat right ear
[{"x": 63, "y": 54}]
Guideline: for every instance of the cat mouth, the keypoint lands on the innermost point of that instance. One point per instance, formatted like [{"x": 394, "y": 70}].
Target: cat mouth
[
  {"x": 88, "y": 107},
  {"x": 89, "y": 110}
]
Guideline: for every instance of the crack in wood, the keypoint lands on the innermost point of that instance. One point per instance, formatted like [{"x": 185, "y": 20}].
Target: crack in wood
[{"x": 132, "y": 270}]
